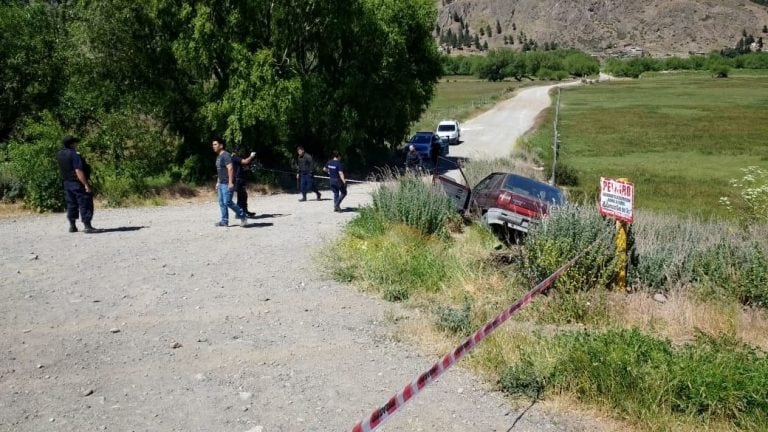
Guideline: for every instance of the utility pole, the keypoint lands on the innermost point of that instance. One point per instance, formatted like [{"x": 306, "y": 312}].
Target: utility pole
[{"x": 555, "y": 140}]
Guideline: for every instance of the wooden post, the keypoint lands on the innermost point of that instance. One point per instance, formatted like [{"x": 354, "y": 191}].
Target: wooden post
[{"x": 622, "y": 259}]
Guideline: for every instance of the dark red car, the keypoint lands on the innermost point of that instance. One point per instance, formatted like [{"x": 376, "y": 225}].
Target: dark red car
[{"x": 505, "y": 201}]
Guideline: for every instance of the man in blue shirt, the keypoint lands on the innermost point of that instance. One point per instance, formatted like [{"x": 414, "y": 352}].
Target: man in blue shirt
[
  {"x": 76, "y": 173},
  {"x": 335, "y": 170},
  {"x": 225, "y": 185}
]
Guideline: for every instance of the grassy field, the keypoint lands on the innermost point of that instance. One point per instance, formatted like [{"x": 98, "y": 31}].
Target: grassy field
[
  {"x": 459, "y": 97},
  {"x": 679, "y": 137}
]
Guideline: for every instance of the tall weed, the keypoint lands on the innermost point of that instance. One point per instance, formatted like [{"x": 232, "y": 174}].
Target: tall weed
[
  {"x": 409, "y": 200},
  {"x": 562, "y": 235},
  {"x": 645, "y": 379}
]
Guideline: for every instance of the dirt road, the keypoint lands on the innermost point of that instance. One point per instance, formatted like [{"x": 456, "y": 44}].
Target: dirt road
[
  {"x": 493, "y": 134},
  {"x": 163, "y": 322}
]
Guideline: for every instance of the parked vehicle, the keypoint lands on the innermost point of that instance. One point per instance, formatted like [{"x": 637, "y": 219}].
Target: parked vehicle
[
  {"x": 422, "y": 141},
  {"x": 449, "y": 130},
  {"x": 508, "y": 203}
]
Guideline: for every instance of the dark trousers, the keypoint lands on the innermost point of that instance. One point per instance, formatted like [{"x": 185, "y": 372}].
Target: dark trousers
[
  {"x": 306, "y": 184},
  {"x": 242, "y": 194},
  {"x": 78, "y": 199},
  {"x": 339, "y": 193}
]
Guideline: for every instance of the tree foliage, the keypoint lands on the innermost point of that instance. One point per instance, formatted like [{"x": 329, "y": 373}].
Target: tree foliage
[{"x": 264, "y": 74}]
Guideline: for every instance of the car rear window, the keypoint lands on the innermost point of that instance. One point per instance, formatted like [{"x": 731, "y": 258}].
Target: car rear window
[
  {"x": 533, "y": 189},
  {"x": 446, "y": 128},
  {"x": 421, "y": 139}
]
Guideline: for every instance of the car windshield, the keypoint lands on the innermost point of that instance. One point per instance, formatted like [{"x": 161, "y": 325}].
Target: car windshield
[
  {"x": 533, "y": 189},
  {"x": 446, "y": 128},
  {"x": 421, "y": 139}
]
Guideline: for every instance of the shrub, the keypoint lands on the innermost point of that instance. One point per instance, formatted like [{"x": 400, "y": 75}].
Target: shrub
[
  {"x": 565, "y": 175},
  {"x": 561, "y": 236},
  {"x": 750, "y": 204},
  {"x": 411, "y": 201},
  {"x": 455, "y": 320},
  {"x": 398, "y": 262},
  {"x": 32, "y": 156},
  {"x": 720, "y": 70},
  {"x": 645, "y": 379}
]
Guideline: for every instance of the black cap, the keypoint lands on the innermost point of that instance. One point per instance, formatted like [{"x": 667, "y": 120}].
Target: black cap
[{"x": 69, "y": 140}]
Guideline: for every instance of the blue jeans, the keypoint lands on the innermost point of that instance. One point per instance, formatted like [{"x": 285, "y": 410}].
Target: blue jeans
[
  {"x": 306, "y": 184},
  {"x": 225, "y": 202},
  {"x": 339, "y": 193}
]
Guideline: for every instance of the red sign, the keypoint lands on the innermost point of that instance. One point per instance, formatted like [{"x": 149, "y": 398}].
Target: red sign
[{"x": 617, "y": 199}]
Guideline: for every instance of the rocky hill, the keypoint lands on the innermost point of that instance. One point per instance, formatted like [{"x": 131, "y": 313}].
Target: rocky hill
[{"x": 608, "y": 27}]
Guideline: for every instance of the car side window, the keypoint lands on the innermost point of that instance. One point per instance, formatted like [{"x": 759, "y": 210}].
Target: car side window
[{"x": 487, "y": 182}]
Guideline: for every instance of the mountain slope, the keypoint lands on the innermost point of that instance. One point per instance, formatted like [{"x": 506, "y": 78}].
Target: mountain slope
[{"x": 658, "y": 27}]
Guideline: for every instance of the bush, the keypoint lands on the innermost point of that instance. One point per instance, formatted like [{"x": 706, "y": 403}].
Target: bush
[
  {"x": 645, "y": 379},
  {"x": 720, "y": 70},
  {"x": 398, "y": 262},
  {"x": 411, "y": 201},
  {"x": 455, "y": 320},
  {"x": 560, "y": 236},
  {"x": 32, "y": 157}
]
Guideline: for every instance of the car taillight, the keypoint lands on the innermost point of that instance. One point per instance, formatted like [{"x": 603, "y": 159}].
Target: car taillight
[{"x": 507, "y": 201}]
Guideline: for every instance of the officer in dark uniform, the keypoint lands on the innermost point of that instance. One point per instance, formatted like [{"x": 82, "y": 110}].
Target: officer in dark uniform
[
  {"x": 435, "y": 149},
  {"x": 305, "y": 177},
  {"x": 76, "y": 176},
  {"x": 241, "y": 168},
  {"x": 335, "y": 170}
]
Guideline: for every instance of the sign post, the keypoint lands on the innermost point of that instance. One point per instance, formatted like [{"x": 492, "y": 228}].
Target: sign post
[{"x": 617, "y": 199}]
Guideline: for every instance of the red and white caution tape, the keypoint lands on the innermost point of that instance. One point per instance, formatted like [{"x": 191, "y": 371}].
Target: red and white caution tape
[{"x": 412, "y": 389}]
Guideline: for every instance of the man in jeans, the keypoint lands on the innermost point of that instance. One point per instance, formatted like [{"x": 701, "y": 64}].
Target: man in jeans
[
  {"x": 305, "y": 177},
  {"x": 226, "y": 185}
]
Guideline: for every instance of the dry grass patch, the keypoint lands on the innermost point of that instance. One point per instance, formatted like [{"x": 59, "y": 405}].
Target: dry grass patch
[{"x": 680, "y": 318}]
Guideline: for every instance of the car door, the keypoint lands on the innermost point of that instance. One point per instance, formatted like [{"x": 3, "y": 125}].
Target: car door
[{"x": 483, "y": 194}]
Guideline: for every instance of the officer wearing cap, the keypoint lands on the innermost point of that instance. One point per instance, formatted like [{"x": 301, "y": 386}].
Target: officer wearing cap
[
  {"x": 76, "y": 176},
  {"x": 242, "y": 167}
]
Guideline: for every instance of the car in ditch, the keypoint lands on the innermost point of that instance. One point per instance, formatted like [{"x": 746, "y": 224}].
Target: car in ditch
[{"x": 508, "y": 203}]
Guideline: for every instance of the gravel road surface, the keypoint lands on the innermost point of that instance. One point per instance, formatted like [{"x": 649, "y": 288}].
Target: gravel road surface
[{"x": 163, "y": 322}]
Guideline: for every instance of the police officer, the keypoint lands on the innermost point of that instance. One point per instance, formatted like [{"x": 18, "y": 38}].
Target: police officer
[
  {"x": 241, "y": 167},
  {"x": 435, "y": 149},
  {"x": 76, "y": 176},
  {"x": 335, "y": 170},
  {"x": 305, "y": 177}
]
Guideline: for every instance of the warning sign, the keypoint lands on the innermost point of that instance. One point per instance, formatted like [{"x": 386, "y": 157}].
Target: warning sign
[{"x": 617, "y": 199}]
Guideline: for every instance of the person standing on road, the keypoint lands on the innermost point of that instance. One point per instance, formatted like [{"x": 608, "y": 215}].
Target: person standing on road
[
  {"x": 241, "y": 167},
  {"x": 76, "y": 177},
  {"x": 305, "y": 177},
  {"x": 412, "y": 160},
  {"x": 225, "y": 185},
  {"x": 434, "y": 152},
  {"x": 335, "y": 170}
]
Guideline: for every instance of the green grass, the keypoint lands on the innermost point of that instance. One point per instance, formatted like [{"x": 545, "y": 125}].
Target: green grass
[
  {"x": 679, "y": 137},
  {"x": 459, "y": 97}
]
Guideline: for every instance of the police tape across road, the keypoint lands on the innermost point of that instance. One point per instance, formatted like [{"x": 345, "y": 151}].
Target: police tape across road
[
  {"x": 415, "y": 387},
  {"x": 315, "y": 176}
]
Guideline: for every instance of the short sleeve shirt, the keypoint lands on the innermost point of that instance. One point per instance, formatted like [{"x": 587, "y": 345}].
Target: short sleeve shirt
[
  {"x": 334, "y": 167},
  {"x": 222, "y": 161},
  {"x": 237, "y": 166}
]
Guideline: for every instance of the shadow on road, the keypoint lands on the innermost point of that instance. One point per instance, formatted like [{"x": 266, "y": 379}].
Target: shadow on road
[
  {"x": 118, "y": 229},
  {"x": 269, "y": 215},
  {"x": 258, "y": 225},
  {"x": 533, "y": 402}
]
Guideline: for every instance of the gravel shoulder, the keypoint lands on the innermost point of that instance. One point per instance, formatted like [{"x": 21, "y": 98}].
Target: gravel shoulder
[{"x": 164, "y": 322}]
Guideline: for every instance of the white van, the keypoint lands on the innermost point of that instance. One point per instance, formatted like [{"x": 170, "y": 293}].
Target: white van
[{"x": 449, "y": 130}]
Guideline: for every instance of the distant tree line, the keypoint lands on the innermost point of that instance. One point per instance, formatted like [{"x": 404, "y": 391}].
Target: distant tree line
[
  {"x": 716, "y": 62},
  {"x": 506, "y": 63},
  {"x": 147, "y": 84}
]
